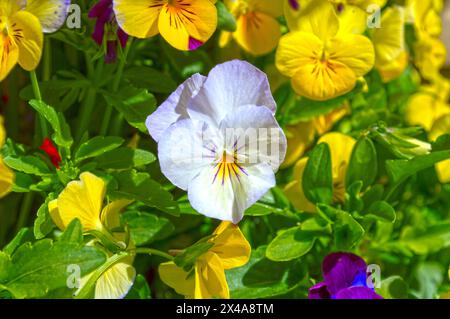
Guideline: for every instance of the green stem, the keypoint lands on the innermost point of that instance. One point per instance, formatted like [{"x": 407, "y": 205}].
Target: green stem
[
  {"x": 38, "y": 96},
  {"x": 151, "y": 251},
  {"x": 115, "y": 87},
  {"x": 111, "y": 261},
  {"x": 24, "y": 211},
  {"x": 47, "y": 69}
]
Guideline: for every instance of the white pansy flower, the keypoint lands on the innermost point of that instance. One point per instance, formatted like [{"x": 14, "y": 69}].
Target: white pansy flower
[{"x": 219, "y": 140}]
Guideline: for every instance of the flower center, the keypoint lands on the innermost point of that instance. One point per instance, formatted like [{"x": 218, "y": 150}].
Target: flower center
[{"x": 228, "y": 167}]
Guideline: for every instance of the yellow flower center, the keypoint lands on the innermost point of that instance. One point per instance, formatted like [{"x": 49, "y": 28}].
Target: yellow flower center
[{"x": 228, "y": 167}]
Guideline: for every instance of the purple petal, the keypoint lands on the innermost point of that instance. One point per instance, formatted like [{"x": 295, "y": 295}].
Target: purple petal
[
  {"x": 357, "y": 293},
  {"x": 319, "y": 291},
  {"x": 111, "y": 52},
  {"x": 294, "y": 4},
  {"x": 194, "y": 44},
  {"x": 123, "y": 37},
  {"x": 99, "y": 8},
  {"x": 340, "y": 270}
]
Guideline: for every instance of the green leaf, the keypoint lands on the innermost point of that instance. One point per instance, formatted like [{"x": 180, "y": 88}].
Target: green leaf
[
  {"x": 290, "y": 244},
  {"x": 29, "y": 165},
  {"x": 263, "y": 278},
  {"x": 35, "y": 269},
  {"x": 399, "y": 170},
  {"x": 140, "y": 289},
  {"x": 226, "y": 20},
  {"x": 317, "y": 178},
  {"x": 347, "y": 231},
  {"x": 62, "y": 135},
  {"x": 125, "y": 158},
  {"x": 134, "y": 104},
  {"x": 43, "y": 224},
  {"x": 139, "y": 186},
  {"x": 153, "y": 80},
  {"x": 24, "y": 235},
  {"x": 393, "y": 287},
  {"x": 381, "y": 210},
  {"x": 363, "y": 164},
  {"x": 428, "y": 240},
  {"x": 97, "y": 146},
  {"x": 145, "y": 228},
  {"x": 73, "y": 232},
  {"x": 429, "y": 276},
  {"x": 188, "y": 257}
]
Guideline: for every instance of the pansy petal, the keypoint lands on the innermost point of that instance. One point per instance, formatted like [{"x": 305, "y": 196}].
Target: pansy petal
[
  {"x": 27, "y": 34},
  {"x": 355, "y": 51},
  {"x": 210, "y": 280},
  {"x": 294, "y": 190},
  {"x": 230, "y": 85},
  {"x": 176, "y": 278},
  {"x": 51, "y": 13},
  {"x": 269, "y": 7},
  {"x": 187, "y": 24},
  {"x": 224, "y": 192},
  {"x": 2, "y": 132},
  {"x": 175, "y": 107},
  {"x": 341, "y": 269},
  {"x": 116, "y": 282},
  {"x": 110, "y": 215},
  {"x": 299, "y": 138},
  {"x": 138, "y": 18},
  {"x": 297, "y": 49},
  {"x": 389, "y": 39},
  {"x": 83, "y": 200},
  {"x": 312, "y": 18},
  {"x": 251, "y": 26},
  {"x": 9, "y": 55},
  {"x": 6, "y": 178},
  {"x": 55, "y": 214},
  {"x": 184, "y": 149},
  {"x": 230, "y": 245},
  {"x": 254, "y": 132},
  {"x": 319, "y": 291},
  {"x": 357, "y": 293},
  {"x": 352, "y": 19}
]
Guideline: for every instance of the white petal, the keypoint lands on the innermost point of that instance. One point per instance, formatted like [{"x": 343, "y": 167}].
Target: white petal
[
  {"x": 51, "y": 13},
  {"x": 228, "y": 198},
  {"x": 256, "y": 135},
  {"x": 174, "y": 108},
  {"x": 184, "y": 149},
  {"x": 116, "y": 282},
  {"x": 228, "y": 86}
]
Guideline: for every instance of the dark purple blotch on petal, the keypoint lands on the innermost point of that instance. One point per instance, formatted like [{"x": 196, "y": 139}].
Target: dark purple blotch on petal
[
  {"x": 295, "y": 5},
  {"x": 194, "y": 44},
  {"x": 341, "y": 269},
  {"x": 319, "y": 291},
  {"x": 357, "y": 293}
]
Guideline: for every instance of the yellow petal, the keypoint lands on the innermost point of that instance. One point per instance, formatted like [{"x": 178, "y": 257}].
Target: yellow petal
[
  {"x": 354, "y": 51},
  {"x": 324, "y": 123},
  {"x": 2, "y": 133},
  {"x": 299, "y": 138},
  {"x": 6, "y": 178},
  {"x": 424, "y": 109},
  {"x": 269, "y": 7},
  {"x": 116, "y": 282},
  {"x": 341, "y": 147},
  {"x": 175, "y": 277},
  {"x": 55, "y": 215},
  {"x": 230, "y": 245},
  {"x": 27, "y": 33},
  {"x": 323, "y": 81},
  {"x": 9, "y": 55},
  {"x": 51, "y": 13},
  {"x": 430, "y": 56},
  {"x": 138, "y": 18},
  {"x": 257, "y": 32},
  {"x": 389, "y": 39},
  {"x": 295, "y": 50},
  {"x": 395, "y": 68},
  {"x": 443, "y": 171},
  {"x": 318, "y": 17},
  {"x": 187, "y": 24},
  {"x": 83, "y": 200},
  {"x": 210, "y": 280},
  {"x": 294, "y": 190},
  {"x": 352, "y": 19},
  {"x": 110, "y": 215},
  {"x": 441, "y": 126}
]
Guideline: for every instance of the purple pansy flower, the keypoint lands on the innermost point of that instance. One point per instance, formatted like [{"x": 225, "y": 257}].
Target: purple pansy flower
[
  {"x": 345, "y": 277},
  {"x": 106, "y": 25}
]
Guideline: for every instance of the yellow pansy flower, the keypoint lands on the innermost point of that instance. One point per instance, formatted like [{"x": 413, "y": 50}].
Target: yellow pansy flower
[
  {"x": 6, "y": 174},
  {"x": 321, "y": 62},
  {"x": 302, "y": 135},
  {"x": 258, "y": 31},
  {"x": 430, "y": 56},
  {"x": 389, "y": 43},
  {"x": 22, "y": 24},
  {"x": 425, "y": 15},
  {"x": 185, "y": 24},
  {"x": 83, "y": 199},
  {"x": 341, "y": 147},
  {"x": 207, "y": 281}
]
